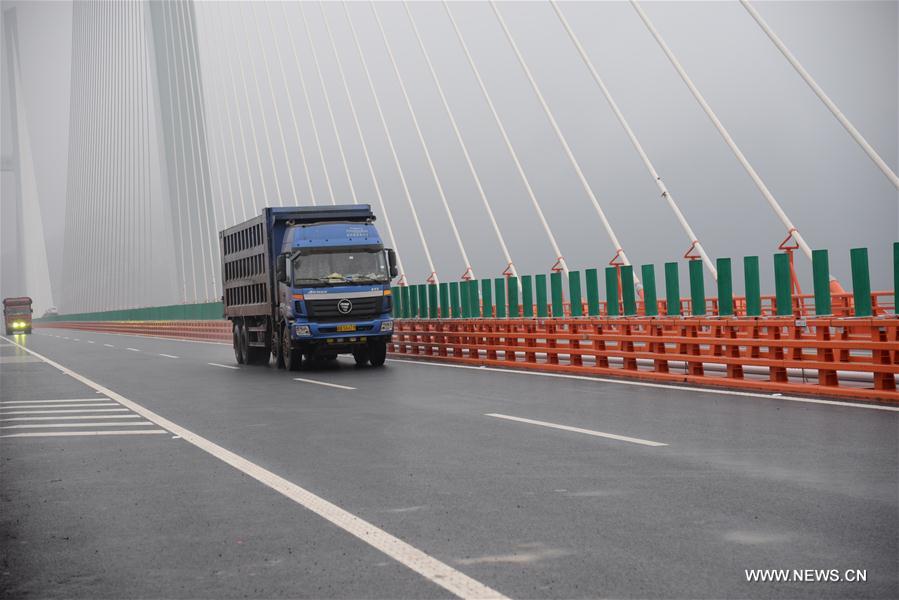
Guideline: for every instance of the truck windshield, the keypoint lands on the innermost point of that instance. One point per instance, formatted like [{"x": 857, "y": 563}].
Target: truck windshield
[
  {"x": 18, "y": 310},
  {"x": 340, "y": 267}
]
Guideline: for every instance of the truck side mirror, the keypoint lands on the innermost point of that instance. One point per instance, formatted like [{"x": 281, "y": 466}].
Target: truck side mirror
[
  {"x": 282, "y": 268},
  {"x": 391, "y": 261}
]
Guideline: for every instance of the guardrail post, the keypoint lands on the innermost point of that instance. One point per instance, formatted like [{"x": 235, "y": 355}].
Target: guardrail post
[
  {"x": 650, "y": 301},
  {"x": 413, "y": 301},
  {"x": 697, "y": 288},
  {"x": 574, "y": 293},
  {"x": 783, "y": 284},
  {"x": 422, "y": 301},
  {"x": 475, "y": 301},
  {"x": 753, "y": 286},
  {"x": 513, "y": 297},
  {"x": 456, "y": 310},
  {"x": 499, "y": 284},
  {"x": 725, "y": 287},
  {"x": 592, "y": 292},
  {"x": 527, "y": 295},
  {"x": 672, "y": 290},
  {"x": 612, "y": 308},
  {"x": 487, "y": 295},
  {"x": 407, "y": 305},
  {"x": 557, "y": 295},
  {"x": 444, "y": 301},
  {"x": 432, "y": 301},
  {"x": 861, "y": 281},
  {"x": 628, "y": 294},
  {"x": 540, "y": 284},
  {"x": 821, "y": 279}
]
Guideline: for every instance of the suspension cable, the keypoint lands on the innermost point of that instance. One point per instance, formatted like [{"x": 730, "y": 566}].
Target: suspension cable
[
  {"x": 619, "y": 250},
  {"x": 666, "y": 194},
  {"x": 371, "y": 169},
  {"x": 477, "y": 180},
  {"x": 469, "y": 272},
  {"x": 318, "y": 142},
  {"x": 396, "y": 159},
  {"x": 858, "y": 137},
  {"x": 560, "y": 261},
  {"x": 775, "y": 206},
  {"x": 327, "y": 97},
  {"x": 293, "y": 114}
]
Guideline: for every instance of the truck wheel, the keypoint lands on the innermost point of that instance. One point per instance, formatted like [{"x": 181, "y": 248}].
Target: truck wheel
[
  {"x": 293, "y": 357},
  {"x": 239, "y": 355},
  {"x": 360, "y": 354},
  {"x": 377, "y": 353}
]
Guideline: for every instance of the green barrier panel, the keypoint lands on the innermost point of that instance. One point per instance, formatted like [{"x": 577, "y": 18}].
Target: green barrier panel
[
  {"x": 207, "y": 311},
  {"x": 672, "y": 289},
  {"x": 650, "y": 300},
  {"x": 432, "y": 301},
  {"x": 487, "y": 296},
  {"x": 474, "y": 300},
  {"x": 821, "y": 279},
  {"x": 697, "y": 288},
  {"x": 783, "y": 284},
  {"x": 861, "y": 281},
  {"x": 612, "y": 307},
  {"x": 574, "y": 293},
  {"x": 422, "y": 301},
  {"x": 413, "y": 301},
  {"x": 445, "y": 310},
  {"x": 407, "y": 306},
  {"x": 725, "y": 287},
  {"x": 527, "y": 295},
  {"x": 456, "y": 310},
  {"x": 558, "y": 298},
  {"x": 513, "y": 298},
  {"x": 628, "y": 295},
  {"x": 753, "y": 286},
  {"x": 396, "y": 302},
  {"x": 540, "y": 285},
  {"x": 500, "y": 285},
  {"x": 465, "y": 298},
  {"x": 592, "y": 278}
]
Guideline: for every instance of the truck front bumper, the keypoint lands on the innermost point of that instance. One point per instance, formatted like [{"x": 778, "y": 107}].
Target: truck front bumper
[{"x": 341, "y": 332}]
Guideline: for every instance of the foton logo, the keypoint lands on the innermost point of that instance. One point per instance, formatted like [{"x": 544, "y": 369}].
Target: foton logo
[{"x": 344, "y": 306}]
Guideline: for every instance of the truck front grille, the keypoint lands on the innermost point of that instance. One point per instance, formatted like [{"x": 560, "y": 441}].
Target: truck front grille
[{"x": 327, "y": 311}]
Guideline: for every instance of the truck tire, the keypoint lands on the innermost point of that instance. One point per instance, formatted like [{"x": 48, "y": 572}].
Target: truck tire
[
  {"x": 377, "y": 353},
  {"x": 293, "y": 357},
  {"x": 360, "y": 355},
  {"x": 236, "y": 336}
]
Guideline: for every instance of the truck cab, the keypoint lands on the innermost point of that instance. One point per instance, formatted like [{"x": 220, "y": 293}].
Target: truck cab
[
  {"x": 334, "y": 290},
  {"x": 17, "y": 315}
]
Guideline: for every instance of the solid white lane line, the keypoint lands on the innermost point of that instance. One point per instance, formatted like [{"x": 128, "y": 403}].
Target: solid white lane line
[
  {"x": 222, "y": 366},
  {"x": 334, "y": 385},
  {"x": 47, "y": 412},
  {"x": 91, "y": 405},
  {"x": 168, "y": 355},
  {"x": 44, "y": 425},
  {"x": 427, "y": 566},
  {"x": 109, "y": 345},
  {"x": 95, "y": 399},
  {"x": 611, "y": 436},
  {"x": 72, "y": 417},
  {"x": 133, "y": 349},
  {"x": 83, "y": 433},
  {"x": 682, "y": 388}
]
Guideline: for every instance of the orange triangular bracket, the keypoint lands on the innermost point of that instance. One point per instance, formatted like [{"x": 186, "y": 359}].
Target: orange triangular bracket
[
  {"x": 402, "y": 280},
  {"x": 432, "y": 278},
  {"x": 692, "y": 253},
  {"x": 617, "y": 260},
  {"x": 559, "y": 265},
  {"x": 509, "y": 271},
  {"x": 467, "y": 275},
  {"x": 788, "y": 247}
]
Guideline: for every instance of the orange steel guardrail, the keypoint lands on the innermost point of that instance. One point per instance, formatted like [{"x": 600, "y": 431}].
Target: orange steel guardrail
[
  {"x": 839, "y": 357},
  {"x": 209, "y": 331}
]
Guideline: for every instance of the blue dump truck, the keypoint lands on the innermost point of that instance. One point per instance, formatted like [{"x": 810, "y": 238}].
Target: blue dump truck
[{"x": 308, "y": 283}]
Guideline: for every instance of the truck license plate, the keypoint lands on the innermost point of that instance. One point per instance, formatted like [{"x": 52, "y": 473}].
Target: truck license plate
[{"x": 346, "y": 328}]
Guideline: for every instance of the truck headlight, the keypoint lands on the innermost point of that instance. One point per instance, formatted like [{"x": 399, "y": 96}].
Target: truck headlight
[
  {"x": 302, "y": 330},
  {"x": 18, "y": 325},
  {"x": 386, "y": 325}
]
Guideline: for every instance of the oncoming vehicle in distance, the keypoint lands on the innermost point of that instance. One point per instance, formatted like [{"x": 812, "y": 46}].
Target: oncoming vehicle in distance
[{"x": 17, "y": 315}]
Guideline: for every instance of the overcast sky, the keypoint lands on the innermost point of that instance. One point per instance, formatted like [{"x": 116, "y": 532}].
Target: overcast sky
[{"x": 827, "y": 185}]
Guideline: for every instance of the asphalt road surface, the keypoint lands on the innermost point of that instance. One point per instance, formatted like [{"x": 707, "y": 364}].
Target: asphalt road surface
[{"x": 143, "y": 467}]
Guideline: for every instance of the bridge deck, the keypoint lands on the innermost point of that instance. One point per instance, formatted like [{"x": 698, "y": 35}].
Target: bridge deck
[{"x": 732, "y": 482}]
